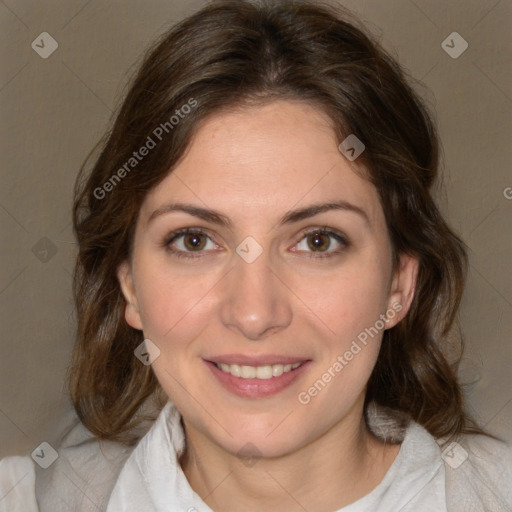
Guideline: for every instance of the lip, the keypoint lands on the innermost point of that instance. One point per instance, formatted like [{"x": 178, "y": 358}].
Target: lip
[
  {"x": 262, "y": 360},
  {"x": 257, "y": 388}
]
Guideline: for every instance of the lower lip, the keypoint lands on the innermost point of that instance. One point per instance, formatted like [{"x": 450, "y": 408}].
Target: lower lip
[{"x": 256, "y": 388}]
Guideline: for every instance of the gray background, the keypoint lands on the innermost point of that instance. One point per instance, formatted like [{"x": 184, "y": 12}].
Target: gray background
[{"x": 54, "y": 110}]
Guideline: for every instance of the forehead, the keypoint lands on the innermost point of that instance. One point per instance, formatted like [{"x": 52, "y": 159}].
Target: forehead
[{"x": 265, "y": 159}]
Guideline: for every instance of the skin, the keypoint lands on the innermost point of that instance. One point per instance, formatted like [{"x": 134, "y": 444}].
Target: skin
[{"x": 254, "y": 165}]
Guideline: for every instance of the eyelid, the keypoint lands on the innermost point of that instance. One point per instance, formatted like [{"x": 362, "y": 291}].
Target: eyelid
[
  {"x": 185, "y": 231},
  {"x": 325, "y": 230}
]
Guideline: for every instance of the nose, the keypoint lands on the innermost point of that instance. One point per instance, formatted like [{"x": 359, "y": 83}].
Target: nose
[{"x": 255, "y": 301}]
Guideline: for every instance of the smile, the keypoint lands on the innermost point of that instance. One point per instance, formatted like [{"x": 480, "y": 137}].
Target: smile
[
  {"x": 257, "y": 372},
  {"x": 256, "y": 377}
]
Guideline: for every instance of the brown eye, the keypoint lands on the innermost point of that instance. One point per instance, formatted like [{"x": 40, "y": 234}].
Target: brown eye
[
  {"x": 188, "y": 241},
  {"x": 194, "y": 241},
  {"x": 318, "y": 242},
  {"x": 322, "y": 243}
]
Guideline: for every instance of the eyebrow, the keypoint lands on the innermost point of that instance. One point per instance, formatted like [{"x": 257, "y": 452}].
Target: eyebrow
[{"x": 289, "y": 218}]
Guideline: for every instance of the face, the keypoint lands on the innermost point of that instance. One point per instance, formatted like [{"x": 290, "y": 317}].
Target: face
[{"x": 264, "y": 249}]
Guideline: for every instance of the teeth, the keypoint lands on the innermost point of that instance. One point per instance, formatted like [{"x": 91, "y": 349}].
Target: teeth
[
  {"x": 258, "y": 372},
  {"x": 247, "y": 372}
]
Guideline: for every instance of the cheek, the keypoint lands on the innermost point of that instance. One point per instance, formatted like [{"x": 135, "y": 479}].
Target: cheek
[
  {"x": 346, "y": 300},
  {"x": 349, "y": 303},
  {"x": 172, "y": 304},
  {"x": 176, "y": 310}
]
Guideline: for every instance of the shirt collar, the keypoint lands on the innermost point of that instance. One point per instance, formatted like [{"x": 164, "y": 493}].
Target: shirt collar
[{"x": 153, "y": 480}]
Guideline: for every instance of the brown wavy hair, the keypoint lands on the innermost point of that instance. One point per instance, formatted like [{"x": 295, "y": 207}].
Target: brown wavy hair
[{"x": 232, "y": 54}]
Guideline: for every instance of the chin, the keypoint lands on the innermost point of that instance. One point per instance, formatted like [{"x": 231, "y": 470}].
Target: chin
[{"x": 266, "y": 439}]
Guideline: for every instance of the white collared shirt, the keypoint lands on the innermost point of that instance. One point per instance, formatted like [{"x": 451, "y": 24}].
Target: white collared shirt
[
  {"x": 152, "y": 479},
  {"x": 474, "y": 475}
]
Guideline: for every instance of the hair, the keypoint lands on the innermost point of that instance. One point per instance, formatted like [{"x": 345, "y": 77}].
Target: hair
[{"x": 236, "y": 54}]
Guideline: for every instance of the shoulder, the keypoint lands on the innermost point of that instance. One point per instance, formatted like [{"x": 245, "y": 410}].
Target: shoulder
[
  {"x": 478, "y": 473},
  {"x": 79, "y": 475},
  {"x": 84, "y": 472},
  {"x": 477, "y": 468},
  {"x": 17, "y": 484}
]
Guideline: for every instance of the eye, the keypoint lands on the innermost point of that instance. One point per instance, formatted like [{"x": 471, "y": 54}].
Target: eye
[
  {"x": 189, "y": 241},
  {"x": 322, "y": 240}
]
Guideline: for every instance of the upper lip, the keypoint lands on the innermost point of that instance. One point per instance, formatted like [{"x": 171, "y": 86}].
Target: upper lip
[{"x": 262, "y": 360}]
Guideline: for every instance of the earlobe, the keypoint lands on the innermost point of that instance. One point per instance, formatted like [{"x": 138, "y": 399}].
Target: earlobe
[
  {"x": 131, "y": 311},
  {"x": 402, "y": 290}
]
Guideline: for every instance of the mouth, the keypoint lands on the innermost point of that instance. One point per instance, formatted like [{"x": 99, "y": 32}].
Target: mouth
[{"x": 256, "y": 377}]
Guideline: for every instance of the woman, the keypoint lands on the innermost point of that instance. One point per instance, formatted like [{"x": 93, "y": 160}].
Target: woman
[{"x": 262, "y": 265}]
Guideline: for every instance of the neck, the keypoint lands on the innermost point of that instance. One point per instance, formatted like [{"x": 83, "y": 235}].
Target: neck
[{"x": 336, "y": 469}]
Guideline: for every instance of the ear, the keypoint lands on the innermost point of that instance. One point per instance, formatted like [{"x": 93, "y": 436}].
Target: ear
[
  {"x": 403, "y": 287},
  {"x": 131, "y": 312}
]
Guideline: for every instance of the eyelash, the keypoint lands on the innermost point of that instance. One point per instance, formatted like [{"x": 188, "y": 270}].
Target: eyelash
[{"x": 337, "y": 235}]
